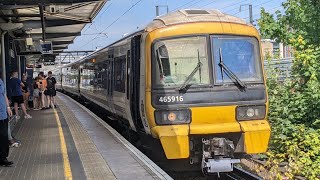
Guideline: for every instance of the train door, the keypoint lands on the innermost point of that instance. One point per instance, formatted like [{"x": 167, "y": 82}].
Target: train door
[
  {"x": 79, "y": 79},
  {"x": 110, "y": 83},
  {"x": 127, "y": 99},
  {"x": 105, "y": 85},
  {"x": 60, "y": 78},
  {"x": 134, "y": 84}
]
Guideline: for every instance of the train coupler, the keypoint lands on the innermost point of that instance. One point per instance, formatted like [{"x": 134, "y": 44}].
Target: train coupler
[{"x": 217, "y": 153}]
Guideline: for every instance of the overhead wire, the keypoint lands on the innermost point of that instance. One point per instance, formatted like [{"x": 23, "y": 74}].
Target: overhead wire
[
  {"x": 116, "y": 20},
  {"x": 234, "y": 5},
  {"x": 205, "y": 4},
  {"x": 88, "y": 27},
  {"x": 208, "y": 3},
  {"x": 106, "y": 9},
  {"x": 269, "y": 10},
  {"x": 194, "y": 3},
  {"x": 256, "y": 5},
  {"x": 95, "y": 27},
  {"x": 113, "y": 22},
  {"x": 183, "y": 5},
  {"x": 93, "y": 23}
]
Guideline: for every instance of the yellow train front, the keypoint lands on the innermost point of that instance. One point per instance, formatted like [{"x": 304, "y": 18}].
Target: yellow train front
[{"x": 205, "y": 92}]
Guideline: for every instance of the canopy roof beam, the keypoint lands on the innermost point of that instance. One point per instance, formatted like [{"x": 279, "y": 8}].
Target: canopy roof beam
[
  {"x": 34, "y": 24},
  {"x": 77, "y": 6},
  {"x": 61, "y": 42},
  {"x": 57, "y": 35},
  {"x": 36, "y": 2},
  {"x": 57, "y": 48}
]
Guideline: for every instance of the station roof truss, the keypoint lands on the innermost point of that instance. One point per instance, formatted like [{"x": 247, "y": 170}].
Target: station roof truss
[
  {"x": 58, "y": 21},
  {"x": 67, "y": 57}
]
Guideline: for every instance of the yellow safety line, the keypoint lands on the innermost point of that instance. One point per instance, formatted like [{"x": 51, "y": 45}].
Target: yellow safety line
[{"x": 66, "y": 163}]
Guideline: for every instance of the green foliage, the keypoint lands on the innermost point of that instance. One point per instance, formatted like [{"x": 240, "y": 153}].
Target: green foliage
[
  {"x": 294, "y": 116},
  {"x": 294, "y": 110},
  {"x": 301, "y": 17}
]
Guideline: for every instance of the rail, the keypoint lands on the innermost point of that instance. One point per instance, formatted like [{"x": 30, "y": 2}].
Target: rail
[{"x": 241, "y": 174}]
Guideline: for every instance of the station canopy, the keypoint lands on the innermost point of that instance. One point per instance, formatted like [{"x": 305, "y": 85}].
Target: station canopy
[{"x": 44, "y": 28}]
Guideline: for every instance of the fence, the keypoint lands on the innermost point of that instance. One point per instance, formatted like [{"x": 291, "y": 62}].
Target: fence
[{"x": 283, "y": 66}]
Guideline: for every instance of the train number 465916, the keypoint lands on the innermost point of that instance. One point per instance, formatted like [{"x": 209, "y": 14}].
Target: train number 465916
[{"x": 168, "y": 99}]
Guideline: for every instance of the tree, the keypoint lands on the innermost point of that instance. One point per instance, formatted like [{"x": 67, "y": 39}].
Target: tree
[{"x": 301, "y": 17}]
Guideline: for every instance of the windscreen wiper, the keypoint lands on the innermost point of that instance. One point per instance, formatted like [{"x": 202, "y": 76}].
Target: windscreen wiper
[
  {"x": 230, "y": 74},
  {"x": 186, "y": 82}
]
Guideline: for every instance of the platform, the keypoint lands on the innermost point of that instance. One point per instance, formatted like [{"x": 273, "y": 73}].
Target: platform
[{"x": 70, "y": 142}]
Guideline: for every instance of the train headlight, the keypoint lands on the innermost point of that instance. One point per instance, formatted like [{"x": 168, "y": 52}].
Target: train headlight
[
  {"x": 168, "y": 117},
  {"x": 251, "y": 112}
]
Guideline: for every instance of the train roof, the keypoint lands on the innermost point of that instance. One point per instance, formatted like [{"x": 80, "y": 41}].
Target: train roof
[
  {"x": 190, "y": 16},
  {"x": 174, "y": 18}
]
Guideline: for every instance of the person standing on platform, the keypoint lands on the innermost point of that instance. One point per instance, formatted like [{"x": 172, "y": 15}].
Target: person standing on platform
[
  {"x": 15, "y": 85},
  {"x": 4, "y": 123},
  {"x": 36, "y": 94},
  {"x": 51, "y": 90},
  {"x": 25, "y": 90},
  {"x": 42, "y": 87}
]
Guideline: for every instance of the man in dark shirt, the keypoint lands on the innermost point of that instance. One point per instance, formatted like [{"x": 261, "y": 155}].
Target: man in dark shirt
[
  {"x": 15, "y": 92},
  {"x": 51, "y": 89}
]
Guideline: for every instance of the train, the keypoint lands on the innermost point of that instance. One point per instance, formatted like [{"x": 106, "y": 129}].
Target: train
[{"x": 191, "y": 80}]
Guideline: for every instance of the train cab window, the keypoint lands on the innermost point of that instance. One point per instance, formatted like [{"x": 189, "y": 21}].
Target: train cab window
[
  {"x": 240, "y": 55},
  {"x": 119, "y": 73},
  {"x": 175, "y": 59}
]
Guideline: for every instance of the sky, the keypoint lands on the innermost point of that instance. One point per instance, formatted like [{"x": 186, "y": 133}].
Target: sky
[{"x": 119, "y": 17}]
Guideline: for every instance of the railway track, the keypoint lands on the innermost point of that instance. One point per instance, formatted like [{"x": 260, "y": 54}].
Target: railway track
[
  {"x": 237, "y": 174},
  {"x": 240, "y": 174}
]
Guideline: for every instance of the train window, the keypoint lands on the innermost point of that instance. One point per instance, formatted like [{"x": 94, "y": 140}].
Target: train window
[
  {"x": 87, "y": 75},
  {"x": 119, "y": 73},
  {"x": 240, "y": 55},
  {"x": 175, "y": 59}
]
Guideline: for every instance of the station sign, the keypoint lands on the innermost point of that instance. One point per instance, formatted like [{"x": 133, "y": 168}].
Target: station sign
[
  {"x": 48, "y": 58},
  {"x": 46, "y": 47}
]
